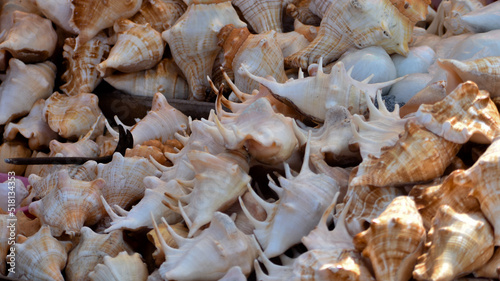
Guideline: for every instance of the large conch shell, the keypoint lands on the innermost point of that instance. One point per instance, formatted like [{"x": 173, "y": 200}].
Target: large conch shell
[
  {"x": 193, "y": 40},
  {"x": 27, "y": 83},
  {"x": 262, "y": 15},
  {"x": 362, "y": 23},
  {"x": 31, "y": 38},
  {"x": 123, "y": 267},
  {"x": 459, "y": 244},
  {"x": 465, "y": 114},
  {"x": 138, "y": 47},
  {"x": 161, "y": 15},
  {"x": 211, "y": 254},
  {"x": 312, "y": 96},
  {"x": 394, "y": 240},
  {"x": 40, "y": 257},
  {"x": 165, "y": 78},
  {"x": 419, "y": 155}
]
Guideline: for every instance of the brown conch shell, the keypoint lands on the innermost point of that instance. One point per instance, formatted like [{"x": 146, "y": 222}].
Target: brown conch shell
[
  {"x": 70, "y": 205},
  {"x": 418, "y": 155},
  {"x": 353, "y": 23},
  {"x": 262, "y": 15},
  {"x": 138, "y": 47},
  {"x": 40, "y": 257},
  {"x": 394, "y": 240},
  {"x": 13, "y": 149},
  {"x": 165, "y": 78},
  {"x": 91, "y": 250},
  {"x": 485, "y": 72},
  {"x": 31, "y": 38},
  {"x": 92, "y": 16},
  {"x": 193, "y": 40},
  {"x": 81, "y": 75},
  {"x": 459, "y": 244},
  {"x": 465, "y": 114},
  {"x": 123, "y": 267},
  {"x": 27, "y": 83},
  {"x": 161, "y": 15}
]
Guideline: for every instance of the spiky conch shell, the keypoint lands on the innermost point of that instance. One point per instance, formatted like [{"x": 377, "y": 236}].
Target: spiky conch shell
[
  {"x": 40, "y": 257},
  {"x": 161, "y": 15},
  {"x": 193, "y": 41},
  {"x": 123, "y": 267},
  {"x": 464, "y": 114},
  {"x": 459, "y": 244},
  {"x": 394, "y": 240},
  {"x": 262, "y": 15},
  {"x": 81, "y": 75},
  {"x": 418, "y": 155}
]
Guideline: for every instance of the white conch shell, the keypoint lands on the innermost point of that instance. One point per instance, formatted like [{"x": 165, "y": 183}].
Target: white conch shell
[
  {"x": 312, "y": 96},
  {"x": 165, "y": 77},
  {"x": 161, "y": 15},
  {"x": 193, "y": 41},
  {"x": 483, "y": 19},
  {"x": 418, "y": 60},
  {"x": 123, "y": 267},
  {"x": 31, "y": 38},
  {"x": 59, "y": 12},
  {"x": 262, "y": 15},
  {"x": 211, "y": 254},
  {"x": 27, "y": 83},
  {"x": 302, "y": 200},
  {"x": 40, "y": 257},
  {"x": 138, "y": 47},
  {"x": 12, "y": 189},
  {"x": 32, "y": 127},
  {"x": 382, "y": 128}
]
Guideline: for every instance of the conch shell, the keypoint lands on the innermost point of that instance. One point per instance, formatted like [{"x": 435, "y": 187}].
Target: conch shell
[
  {"x": 59, "y": 12},
  {"x": 262, "y": 15},
  {"x": 123, "y": 267},
  {"x": 13, "y": 149},
  {"x": 161, "y": 15}
]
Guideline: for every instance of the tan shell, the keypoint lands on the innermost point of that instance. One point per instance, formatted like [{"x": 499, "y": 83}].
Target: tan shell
[
  {"x": 148, "y": 149},
  {"x": 123, "y": 267},
  {"x": 262, "y": 15},
  {"x": 138, "y": 47},
  {"x": 161, "y": 15},
  {"x": 419, "y": 155},
  {"x": 26, "y": 226},
  {"x": 13, "y": 149},
  {"x": 91, "y": 250},
  {"x": 459, "y": 244},
  {"x": 40, "y": 257},
  {"x": 465, "y": 114},
  {"x": 84, "y": 147},
  {"x": 165, "y": 78},
  {"x": 81, "y": 75},
  {"x": 70, "y": 205},
  {"x": 72, "y": 116},
  {"x": 485, "y": 72},
  {"x": 26, "y": 82},
  {"x": 92, "y": 16},
  {"x": 394, "y": 240},
  {"x": 31, "y": 38},
  {"x": 159, "y": 255},
  {"x": 489, "y": 270},
  {"x": 193, "y": 41}
]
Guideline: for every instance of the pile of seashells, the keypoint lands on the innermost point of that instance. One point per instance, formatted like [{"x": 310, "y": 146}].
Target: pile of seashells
[{"x": 293, "y": 176}]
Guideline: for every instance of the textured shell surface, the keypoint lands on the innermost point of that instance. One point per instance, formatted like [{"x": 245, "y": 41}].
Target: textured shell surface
[
  {"x": 32, "y": 127},
  {"x": 485, "y": 72},
  {"x": 11, "y": 6},
  {"x": 123, "y": 267},
  {"x": 262, "y": 15},
  {"x": 382, "y": 128},
  {"x": 489, "y": 270},
  {"x": 41, "y": 257},
  {"x": 394, "y": 240},
  {"x": 70, "y": 205},
  {"x": 59, "y": 12},
  {"x": 24, "y": 40},
  {"x": 12, "y": 149},
  {"x": 21, "y": 192},
  {"x": 432, "y": 93},
  {"x": 91, "y": 250},
  {"x": 92, "y": 16},
  {"x": 81, "y": 75},
  {"x": 193, "y": 41},
  {"x": 211, "y": 254},
  {"x": 300, "y": 12},
  {"x": 464, "y": 114},
  {"x": 161, "y": 15},
  {"x": 26, "y": 82},
  {"x": 84, "y": 147},
  {"x": 459, "y": 244},
  {"x": 138, "y": 47},
  {"x": 302, "y": 201},
  {"x": 418, "y": 60},
  {"x": 418, "y": 155},
  {"x": 219, "y": 181},
  {"x": 483, "y": 19},
  {"x": 320, "y": 7},
  {"x": 165, "y": 78}
]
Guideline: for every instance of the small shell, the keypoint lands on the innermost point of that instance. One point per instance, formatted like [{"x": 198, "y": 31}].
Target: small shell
[
  {"x": 26, "y": 82},
  {"x": 465, "y": 114},
  {"x": 138, "y": 47},
  {"x": 31, "y": 38},
  {"x": 262, "y": 15},
  {"x": 13, "y": 149},
  {"x": 394, "y": 240},
  {"x": 70, "y": 205},
  {"x": 123, "y": 267},
  {"x": 161, "y": 15},
  {"x": 459, "y": 244},
  {"x": 165, "y": 77},
  {"x": 59, "y": 12},
  {"x": 40, "y": 257}
]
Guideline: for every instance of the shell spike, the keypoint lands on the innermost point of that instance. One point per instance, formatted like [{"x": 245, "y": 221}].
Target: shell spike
[
  {"x": 320, "y": 65},
  {"x": 349, "y": 72},
  {"x": 157, "y": 164},
  {"x": 163, "y": 244},
  {"x": 305, "y": 164},
  {"x": 301, "y": 73},
  {"x": 274, "y": 187},
  {"x": 328, "y": 211},
  {"x": 264, "y": 204},
  {"x": 119, "y": 122},
  {"x": 109, "y": 210},
  {"x": 188, "y": 221},
  {"x": 178, "y": 239},
  {"x": 258, "y": 224},
  {"x": 239, "y": 94},
  {"x": 120, "y": 211},
  {"x": 181, "y": 138},
  {"x": 288, "y": 173},
  {"x": 367, "y": 79},
  {"x": 110, "y": 129}
]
